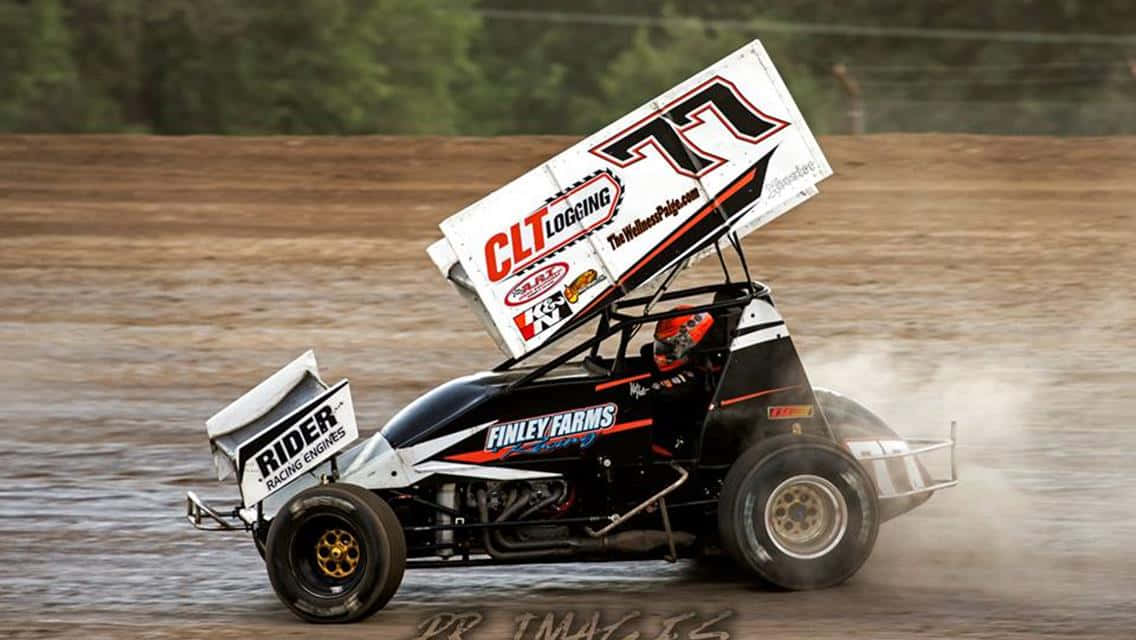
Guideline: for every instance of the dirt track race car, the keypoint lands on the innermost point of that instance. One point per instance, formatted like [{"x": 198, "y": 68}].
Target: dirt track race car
[{"x": 613, "y": 447}]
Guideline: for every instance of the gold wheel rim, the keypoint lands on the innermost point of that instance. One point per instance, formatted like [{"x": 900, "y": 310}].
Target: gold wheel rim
[
  {"x": 337, "y": 553},
  {"x": 806, "y": 516}
]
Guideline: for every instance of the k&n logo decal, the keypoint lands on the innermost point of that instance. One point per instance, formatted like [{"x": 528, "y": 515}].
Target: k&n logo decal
[{"x": 543, "y": 315}]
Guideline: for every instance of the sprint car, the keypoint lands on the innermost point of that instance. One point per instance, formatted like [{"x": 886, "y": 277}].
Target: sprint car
[{"x": 592, "y": 452}]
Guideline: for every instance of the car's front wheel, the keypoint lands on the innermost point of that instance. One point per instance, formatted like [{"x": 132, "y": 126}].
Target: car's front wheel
[
  {"x": 335, "y": 553},
  {"x": 799, "y": 512}
]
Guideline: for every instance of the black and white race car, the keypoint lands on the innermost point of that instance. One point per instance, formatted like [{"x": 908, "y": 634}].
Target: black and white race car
[{"x": 616, "y": 447}]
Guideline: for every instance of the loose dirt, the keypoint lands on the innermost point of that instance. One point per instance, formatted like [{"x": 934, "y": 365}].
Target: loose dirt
[{"x": 146, "y": 282}]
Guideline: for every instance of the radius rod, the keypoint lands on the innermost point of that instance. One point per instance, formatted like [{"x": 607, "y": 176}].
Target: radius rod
[{"x": 683, "y": 474}]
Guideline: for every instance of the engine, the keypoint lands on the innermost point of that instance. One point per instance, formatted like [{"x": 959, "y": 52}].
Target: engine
[
  {"x": 538, "y": 501},
  {"x": 538, "y": 519}
]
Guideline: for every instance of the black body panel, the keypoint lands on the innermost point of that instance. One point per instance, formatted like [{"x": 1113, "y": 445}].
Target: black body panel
[
  {"x": 756, "y": 378},
  {"x": 440, "y": 407}
]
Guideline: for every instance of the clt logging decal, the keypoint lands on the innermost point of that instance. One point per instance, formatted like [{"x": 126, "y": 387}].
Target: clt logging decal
[
  {"x": 666, "y": 130},
  {"x": 297, "y": 443},
  {"x": 565, "y": 218}
]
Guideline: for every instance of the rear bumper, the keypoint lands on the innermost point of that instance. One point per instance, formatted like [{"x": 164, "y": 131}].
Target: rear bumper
[{"x": 899, "y": 468}]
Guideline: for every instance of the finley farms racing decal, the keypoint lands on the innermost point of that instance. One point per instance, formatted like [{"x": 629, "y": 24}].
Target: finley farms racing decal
[
  {"x": 666, "y": 130},
  {"x": 531, "y": 434},
  {"x": 297, "y": 443},
  {"x": 565, "y": 218},
  {"x": 545, "y": 314},
  {"x": 537, "y": 283},
  {"x": 551, "y": 432}
]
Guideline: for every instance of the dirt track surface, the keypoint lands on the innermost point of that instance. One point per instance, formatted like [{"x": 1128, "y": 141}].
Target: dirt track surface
[{"x": 146, "y": 282}]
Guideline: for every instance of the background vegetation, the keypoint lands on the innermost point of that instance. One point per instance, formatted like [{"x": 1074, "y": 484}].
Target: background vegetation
[{"x": 513, "y": 66}]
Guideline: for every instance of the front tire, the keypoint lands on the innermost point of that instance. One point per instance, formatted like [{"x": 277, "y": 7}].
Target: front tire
[
  {"x": 799, "y": 512},
  {"x": 335, "y": 553}
]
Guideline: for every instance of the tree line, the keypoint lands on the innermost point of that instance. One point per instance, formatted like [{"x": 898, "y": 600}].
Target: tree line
[{"x": 490, "y": 67}]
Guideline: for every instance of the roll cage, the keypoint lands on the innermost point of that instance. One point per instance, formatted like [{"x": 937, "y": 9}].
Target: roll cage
[{"x": 612, "y": 318}]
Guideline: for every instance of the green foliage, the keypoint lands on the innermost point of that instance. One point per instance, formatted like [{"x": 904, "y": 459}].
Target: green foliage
[
  {"x": 657, "y": 59},
  {"x": 461, "y": 66},
  {"x": 335, "y": 66},
  {"x": 39, "y": 82},
  {"x": 216, "y": 66},
  {"x": 544, "y": 77}
]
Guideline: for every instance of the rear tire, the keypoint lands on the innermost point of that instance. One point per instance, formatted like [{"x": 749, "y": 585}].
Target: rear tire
[
  {"x": 799, "y": 512},
  {"x": 335, "y": 553},
  {"x": 850, "y": 419}
]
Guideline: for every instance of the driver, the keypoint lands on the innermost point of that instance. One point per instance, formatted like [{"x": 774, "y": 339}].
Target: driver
[
  {"x": 680, "y": 387},
  {"x": 676, "y": 337}
]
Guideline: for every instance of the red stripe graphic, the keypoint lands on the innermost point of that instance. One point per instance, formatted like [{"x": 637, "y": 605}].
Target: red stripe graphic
[
  {"x": 751, "y": 396},
  {"x": 615, "y": 383},
  {"x": 711, "y": 206},
  {"x": 626, "y": 426}
]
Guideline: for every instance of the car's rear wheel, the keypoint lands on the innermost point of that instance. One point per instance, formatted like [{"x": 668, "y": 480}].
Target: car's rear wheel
[
  {"x": 799, "y": 512},
  {"x": 335, "y": 553}
]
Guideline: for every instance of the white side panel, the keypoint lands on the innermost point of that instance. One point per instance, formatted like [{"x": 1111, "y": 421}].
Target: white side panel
[
  {"x": 758, "y": 337},
  {"x": 378, "y": 466},
  {"x": 442, "y": 255},
  {"x": 758, "y": 312},
  {"x": 297, "y": 443},
  {"x": 482, "y": 472},
  {"x": 760, "y": 322}
]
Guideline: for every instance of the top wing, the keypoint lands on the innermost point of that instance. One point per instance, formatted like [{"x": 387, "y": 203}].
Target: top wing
[{"x": 725, "y": 151}]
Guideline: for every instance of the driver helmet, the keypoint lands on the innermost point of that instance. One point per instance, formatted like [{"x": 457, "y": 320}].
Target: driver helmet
[{"x": 675, "y": 337}]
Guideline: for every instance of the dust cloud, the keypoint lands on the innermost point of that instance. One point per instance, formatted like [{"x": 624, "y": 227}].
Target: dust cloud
[{"x": 991, "y": 404}]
